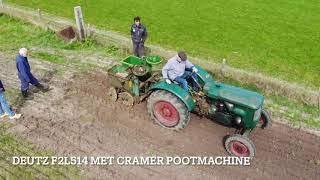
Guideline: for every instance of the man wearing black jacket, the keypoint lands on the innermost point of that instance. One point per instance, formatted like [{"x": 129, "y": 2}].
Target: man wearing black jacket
[{"x": 139, "y": 35}]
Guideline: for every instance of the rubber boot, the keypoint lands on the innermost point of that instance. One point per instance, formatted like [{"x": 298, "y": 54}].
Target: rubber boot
[
  {"x": 25, "y": 94},
  {"x": 42, "y": 87}
]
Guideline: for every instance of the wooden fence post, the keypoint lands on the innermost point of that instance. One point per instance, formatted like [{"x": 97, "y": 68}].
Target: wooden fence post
[
  {"x": 80, "y": 22},
  {"x": 223, "y": 66}
]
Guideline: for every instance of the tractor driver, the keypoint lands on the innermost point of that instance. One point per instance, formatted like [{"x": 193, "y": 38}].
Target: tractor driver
[{"x": 180, "y": 69}]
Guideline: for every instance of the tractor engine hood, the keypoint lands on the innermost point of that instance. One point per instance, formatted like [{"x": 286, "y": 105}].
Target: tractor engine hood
[{"x": 235, "y": 95}]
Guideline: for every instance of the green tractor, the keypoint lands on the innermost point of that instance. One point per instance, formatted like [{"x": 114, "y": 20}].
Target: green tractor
[{"x": 170, "y": 106}]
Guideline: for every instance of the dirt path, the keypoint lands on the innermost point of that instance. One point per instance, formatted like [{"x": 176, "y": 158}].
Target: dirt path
[{"x": 74, "y": 119}]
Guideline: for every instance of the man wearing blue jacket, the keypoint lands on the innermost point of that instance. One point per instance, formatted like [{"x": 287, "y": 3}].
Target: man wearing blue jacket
[{"x": 24, "y": 73}]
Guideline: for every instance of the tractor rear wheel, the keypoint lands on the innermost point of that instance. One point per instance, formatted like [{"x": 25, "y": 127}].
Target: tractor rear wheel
[
  {"x": 168, "y": 110},
  {"x": 240, "y": 145}
]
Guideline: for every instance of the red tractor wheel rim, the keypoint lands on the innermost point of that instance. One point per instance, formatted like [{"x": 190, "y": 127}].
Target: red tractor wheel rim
[
  {"x": 166, "y": 113},
  {"x": 239, "y": 149}
]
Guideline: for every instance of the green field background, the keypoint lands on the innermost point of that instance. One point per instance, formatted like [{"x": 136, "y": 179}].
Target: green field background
[{"x": 280, "y": 38}]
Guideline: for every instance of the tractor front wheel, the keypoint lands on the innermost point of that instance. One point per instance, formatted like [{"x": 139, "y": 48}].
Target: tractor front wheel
[
  {"x": 168, "y": 110},
  {"x": 264, "y": 119},
  {"x": 126, "y": 98},
  {"x": 240, "y": 145}
]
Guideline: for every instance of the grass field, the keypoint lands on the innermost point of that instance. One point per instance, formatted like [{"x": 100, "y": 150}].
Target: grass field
[
  {"x": 15, "y": 34},
  {"x": 279, "y": 38},
  {"x": 11, "y": 31}
]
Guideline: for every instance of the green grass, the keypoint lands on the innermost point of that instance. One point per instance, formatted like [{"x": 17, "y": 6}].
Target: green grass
[
  {"x": 15, "y": 34},
  {"x": 57, "y": 59},
  {"x": 299, "y": 114},
  {"x": 11, "y": 145},
  {"x": 279, "y": 38}
]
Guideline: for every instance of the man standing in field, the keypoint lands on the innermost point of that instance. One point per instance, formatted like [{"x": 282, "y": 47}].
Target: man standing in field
[
  {"x": 138, "y": 35},
  {"x": 180, "y": 69},
  {"x": 24, "y": 73}
]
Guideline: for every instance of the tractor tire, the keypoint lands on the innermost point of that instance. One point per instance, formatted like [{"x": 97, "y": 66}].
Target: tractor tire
[
  {"x": 264, "y": 120},
  {"x": 168, "y": 110},
  {"x": 126, "y": 99},
  {"x": 240, "y": 146}
]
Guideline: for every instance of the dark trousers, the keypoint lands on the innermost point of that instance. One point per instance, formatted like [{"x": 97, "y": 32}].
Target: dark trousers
[
  {"x": 138, "y": 49},
  {"x": 25, "y": 84}
]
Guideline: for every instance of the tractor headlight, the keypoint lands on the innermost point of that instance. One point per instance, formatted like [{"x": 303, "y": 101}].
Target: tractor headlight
[
  {"x": 229, "y": 105},
  {"x": 238, "y": 120},
  {"x": 257, "y": 114}
]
